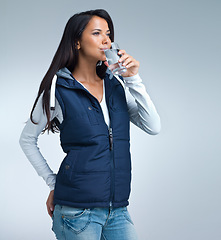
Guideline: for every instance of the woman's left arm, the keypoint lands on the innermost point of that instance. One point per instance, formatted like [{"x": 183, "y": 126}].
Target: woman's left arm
[{"x": 140, "y": 107}]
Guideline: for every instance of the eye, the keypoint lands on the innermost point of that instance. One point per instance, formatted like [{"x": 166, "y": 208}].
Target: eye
[{"x": 95, "y": 33}]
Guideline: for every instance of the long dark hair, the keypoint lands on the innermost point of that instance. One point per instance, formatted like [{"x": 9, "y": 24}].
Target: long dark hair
[{"x": 67, "y": 56}]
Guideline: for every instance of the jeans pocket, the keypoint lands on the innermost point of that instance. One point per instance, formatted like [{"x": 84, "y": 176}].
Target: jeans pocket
[
  {"x": 77, "y": 219},
  {"x": 127, "y": 215}
]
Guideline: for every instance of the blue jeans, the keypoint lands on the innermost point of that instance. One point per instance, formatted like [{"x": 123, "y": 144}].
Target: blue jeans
[{"x": 92, "y": 223}]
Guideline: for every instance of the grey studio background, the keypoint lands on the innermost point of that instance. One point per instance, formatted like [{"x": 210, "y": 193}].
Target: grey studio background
[{"x": 176, "y": 174}]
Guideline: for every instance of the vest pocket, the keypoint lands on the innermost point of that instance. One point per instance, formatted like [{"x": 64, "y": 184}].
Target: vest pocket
[{"x": 67, "y": 166}]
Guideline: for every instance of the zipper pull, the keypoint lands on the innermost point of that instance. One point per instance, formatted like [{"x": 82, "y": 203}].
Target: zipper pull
[{"x": 111, "y": 138}]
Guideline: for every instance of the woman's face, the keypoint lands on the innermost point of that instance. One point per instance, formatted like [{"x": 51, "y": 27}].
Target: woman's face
[{"x": 94, "y": 39}]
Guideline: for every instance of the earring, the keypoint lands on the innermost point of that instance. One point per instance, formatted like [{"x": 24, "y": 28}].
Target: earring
[
  {"x": 99, "y": 63},
  {"x": 77, "y": 46}
]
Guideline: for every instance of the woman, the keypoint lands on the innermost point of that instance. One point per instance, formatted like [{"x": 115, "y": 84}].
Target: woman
[{"x": 89, "y": 195}]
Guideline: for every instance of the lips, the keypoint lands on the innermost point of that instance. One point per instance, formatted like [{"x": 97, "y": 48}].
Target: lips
[{"x": 103, "y": 49}]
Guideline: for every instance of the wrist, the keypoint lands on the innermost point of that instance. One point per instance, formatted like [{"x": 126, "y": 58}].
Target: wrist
[
  {"x": 133, "y": 79},
  {"x": 132, "y": 76}
]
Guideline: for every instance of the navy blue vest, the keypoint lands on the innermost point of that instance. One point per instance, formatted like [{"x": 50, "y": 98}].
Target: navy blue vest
[{"x": 96, "y": 171}]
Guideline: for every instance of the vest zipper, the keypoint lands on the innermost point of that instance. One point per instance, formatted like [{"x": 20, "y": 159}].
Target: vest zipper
[
  {"x": 111, "y": 138},
  {"x": 112, "y": 166}
]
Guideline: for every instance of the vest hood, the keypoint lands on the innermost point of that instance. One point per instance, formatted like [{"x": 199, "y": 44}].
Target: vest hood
[{"x": 66, "y": 74}]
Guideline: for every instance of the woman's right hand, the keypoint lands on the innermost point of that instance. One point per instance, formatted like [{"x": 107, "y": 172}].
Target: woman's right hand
[{"x": 49, "y": 203}]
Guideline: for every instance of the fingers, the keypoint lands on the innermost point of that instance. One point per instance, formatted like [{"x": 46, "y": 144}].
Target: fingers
[
  {"x": 49, "y": 203},
  {"x": 131, "y": 64},
  {"x": 123, "y": 55},
  {"x": 50, "y": 210},
  {"x": 126, "y": 59},
  {"x": 106, "y": 63}
]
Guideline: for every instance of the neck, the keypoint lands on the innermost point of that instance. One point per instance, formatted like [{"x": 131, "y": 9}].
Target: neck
[{"x": 85, "y": 70}]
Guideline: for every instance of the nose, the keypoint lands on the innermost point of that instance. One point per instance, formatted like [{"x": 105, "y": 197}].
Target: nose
[{"x": 106, "y": 39}]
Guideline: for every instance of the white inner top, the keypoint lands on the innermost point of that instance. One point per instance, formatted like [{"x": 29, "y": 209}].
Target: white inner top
[{"x": 103, "y": 105}]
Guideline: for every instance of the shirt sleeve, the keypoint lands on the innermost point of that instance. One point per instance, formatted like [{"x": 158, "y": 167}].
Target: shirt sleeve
[
  {"x": 140, "y": 106},
  {"x": 29, "y": 139}
]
